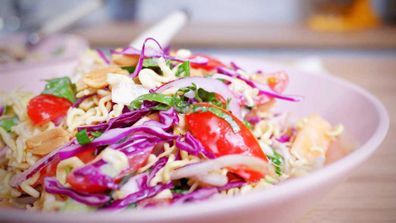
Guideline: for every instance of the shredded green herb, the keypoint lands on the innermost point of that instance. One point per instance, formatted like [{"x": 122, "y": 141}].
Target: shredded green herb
[
  {"x": 83, "y": 138},
  {"x": 130, "y": 69},
  {"x": 8, "y": 123},
  {"x": 60, "y": 87},
  {"x": 277, "y": 162},
  {"x": 183, "y": 70}
]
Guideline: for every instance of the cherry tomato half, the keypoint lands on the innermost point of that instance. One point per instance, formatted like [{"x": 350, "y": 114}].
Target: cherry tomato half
[
  {"x": 45, "y": 108},
  {"x": 211, "y": 65},
  {"x": 218, "y": 137}
]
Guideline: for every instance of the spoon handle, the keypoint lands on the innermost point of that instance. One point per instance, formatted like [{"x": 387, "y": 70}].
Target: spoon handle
[{"x": 164, "y": 30}]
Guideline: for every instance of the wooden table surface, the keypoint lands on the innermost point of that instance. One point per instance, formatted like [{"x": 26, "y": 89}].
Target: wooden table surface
[{"x": 369, "y": 195}]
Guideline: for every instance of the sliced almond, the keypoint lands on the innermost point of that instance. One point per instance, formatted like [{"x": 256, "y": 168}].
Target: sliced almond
[
  {"x": 80, "y": 85},
  {"x": 97, "y": 78},
  {"x": 47, "y": 141},
  {"x": 124, "y": 60}
]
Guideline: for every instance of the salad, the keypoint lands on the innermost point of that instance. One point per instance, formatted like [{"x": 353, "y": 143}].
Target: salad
[{"x": 151, "y": 127}]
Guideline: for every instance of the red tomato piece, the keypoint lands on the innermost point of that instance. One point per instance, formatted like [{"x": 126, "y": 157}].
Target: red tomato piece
[
  {"x": 44, "y": 108},
  {"x": 278, "y": 82},
  {"x": 84, "y": 184},
  {"x": 218, "y": 137},
  {"x": 211, "y": 65}
]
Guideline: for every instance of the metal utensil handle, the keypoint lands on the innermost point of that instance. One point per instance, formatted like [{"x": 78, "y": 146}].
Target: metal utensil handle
[{"x": 163, "y": 31}]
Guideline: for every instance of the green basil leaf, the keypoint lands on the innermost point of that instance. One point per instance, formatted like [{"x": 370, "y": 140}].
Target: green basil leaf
[
  {"x": 60, "y": 87},
  {"x": 83, "y": 138},
  {"x": 234, "y": 125},
  {"x": 160, "y": 98},
  {"x": 8, "y": 123},
  {"x": 203, "y": 95},
  {"x": 183, "y": 70}
]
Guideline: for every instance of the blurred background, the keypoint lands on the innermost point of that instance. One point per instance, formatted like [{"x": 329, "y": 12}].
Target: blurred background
[{"x": 351, "y": 39}]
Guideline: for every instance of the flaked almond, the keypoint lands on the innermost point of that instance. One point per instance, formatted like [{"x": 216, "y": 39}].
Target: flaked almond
[
  {"x": 80, "y": 85},
  {"x": 97, "y": 78},
  {"x": 47, "y": 141},
  {"x": 124, "y": 60}
]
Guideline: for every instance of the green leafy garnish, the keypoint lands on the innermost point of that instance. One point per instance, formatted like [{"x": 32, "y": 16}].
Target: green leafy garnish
[
  {"x": 133, "y": 205},
  {"x": 248, "y": 124},
  {"x": 60, "y": 87},
  {"x": 178, "y": 190},
  {"x": 8, "y": 123},
  {"x": 160, "y": 98},
  {"x": 150, "y": 63},
  {"x": 130, "y": 69},
  {"x": 219, "y": 113},
  {"x": 83, "y": 138},
  {"x": 183, "y": 70},
  {"x": 277, "y": 162},
  {"x": 96, "y": 134}
]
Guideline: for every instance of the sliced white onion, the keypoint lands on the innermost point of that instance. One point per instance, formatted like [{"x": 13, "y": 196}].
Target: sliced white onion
[
  {"x": 209, "y": 84},
  {"x": 203, "y": 168},
  {"x": 214, "y": 179}
]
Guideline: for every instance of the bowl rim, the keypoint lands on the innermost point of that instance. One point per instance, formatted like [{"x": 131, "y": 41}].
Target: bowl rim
[{"x": 262, "y": 197}]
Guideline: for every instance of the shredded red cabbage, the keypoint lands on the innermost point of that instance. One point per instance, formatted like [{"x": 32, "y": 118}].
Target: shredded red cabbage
[
  {"x": 198, "y": 195},
  {"x": 156, "y": 167},
  {"x": 235, "y": 66},
  {"x": 80, "y": 100},
  {"x": 231, "y": 73},
  {"x": 167, "y": 119},
  {"x": 144, "y": 193},
  {"x": 52, "y": 186},
  {"x": 231, "y": 185},
  {"x": 192, "y": 146},
  {"x": 2, "y": 108},
  {"x": 103, "y": 56},
  {"x": 125, "y": 119},
  {"x": 152, "y": 53}
]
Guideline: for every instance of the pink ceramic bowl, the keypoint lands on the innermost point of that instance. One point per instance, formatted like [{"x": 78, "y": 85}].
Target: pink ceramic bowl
[{"x": 364, "y": 117}]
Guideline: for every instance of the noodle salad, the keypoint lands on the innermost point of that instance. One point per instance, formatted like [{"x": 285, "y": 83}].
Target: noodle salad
[{"x": 151, "y": 127}]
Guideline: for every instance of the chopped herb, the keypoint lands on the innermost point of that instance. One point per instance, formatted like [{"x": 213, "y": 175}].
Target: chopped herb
[
  {"x": 96, "y": 134},
  {"x": 248, "y": 124},
  {"x": 60, "y": 87},
  {"x": 130, "y": 69},
  {"x": 178, "y": 191},
  {"x": 183, "y": 70},
  {"x": 277, "y": 162},
  {"x": 234, "y": 125},
  {"x": 133, "y": 205},
  {"x": 8, "y": 123},
  {"x": 83, "y": 138},
  {"x": 160, "y": 98},
  {"x": 150, "y": 63}
]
